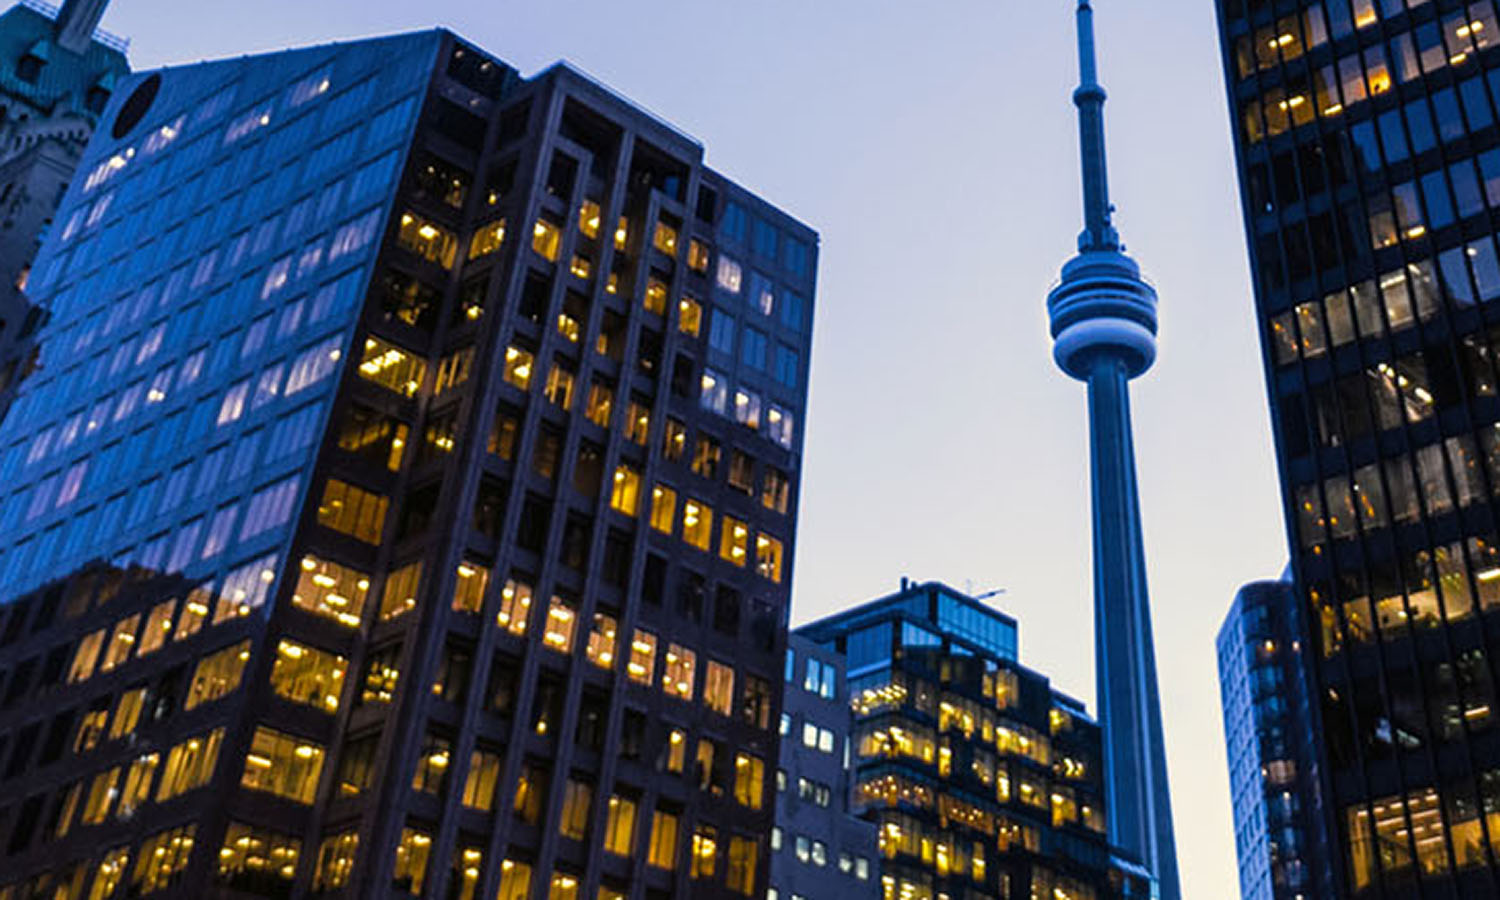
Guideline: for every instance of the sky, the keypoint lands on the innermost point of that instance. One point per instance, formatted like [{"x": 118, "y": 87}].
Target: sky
[{"x": 933, "y": 146}]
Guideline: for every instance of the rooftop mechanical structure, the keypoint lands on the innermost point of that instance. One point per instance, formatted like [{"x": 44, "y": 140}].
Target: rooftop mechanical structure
[{"x": 1103, "y": 323}]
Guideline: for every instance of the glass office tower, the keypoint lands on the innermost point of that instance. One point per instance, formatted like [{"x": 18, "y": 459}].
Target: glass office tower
[
  {"x": 406, "y": 502},
  {"x": 1273, "y": 769},
  {"x": 985, "y": 782},
  {"x": 1369, "y": 163}
]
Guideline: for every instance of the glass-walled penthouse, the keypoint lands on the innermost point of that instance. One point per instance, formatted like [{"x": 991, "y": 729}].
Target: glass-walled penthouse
[{"x": 1369, "y": 160}]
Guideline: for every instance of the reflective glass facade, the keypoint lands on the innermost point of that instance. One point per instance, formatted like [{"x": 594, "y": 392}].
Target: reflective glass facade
[
  {"x": 1273, "y": 769},
  {"x": 383, "y": 520},
  {"x": 982, "y": 780},
  {"x": 1367, "y": 147}
]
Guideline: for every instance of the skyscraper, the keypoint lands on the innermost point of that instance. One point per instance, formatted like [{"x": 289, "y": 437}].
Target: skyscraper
[
  {"x": 407, "y": 501},
  {"x": 57, "y": 73},
  {"x": 984, "y": 780},
  {"x": 1103, "y": 317},
  {"x": 1268, "y": 731},
  {"x": 1369, "y": 172}
]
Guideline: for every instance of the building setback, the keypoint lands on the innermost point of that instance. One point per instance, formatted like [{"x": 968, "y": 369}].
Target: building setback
[
  {"x": 1273, "y": 774},
  {"x": 818, "y": 848},
  {"x": 983, "y": 780},
  {"x": 406, "y": 503},
  {"x": 1369, "y": 161},
  {"x": 57, "y": 73}
]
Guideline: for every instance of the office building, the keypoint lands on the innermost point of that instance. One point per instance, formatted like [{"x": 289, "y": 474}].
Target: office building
[
  {"x": 1273, "y": 769},
  {"x": 983, "y": 780},
  {"x": 406, "y": 502},
  {"x": 57, "y": 73},
  {"x": 1369, "y": 165},
  {"x": 1103, "y": 324},
  {"x": 819, "y": 848}
]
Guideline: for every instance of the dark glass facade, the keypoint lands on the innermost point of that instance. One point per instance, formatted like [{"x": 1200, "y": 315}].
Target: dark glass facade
[
  {"x": 984, "y": 781},
  {"x": 819, "y": 848},
  {"x": 1268, "y": 732},
  {"x": 407, "y": 503},
  {"x": 1369, "y": 162}
]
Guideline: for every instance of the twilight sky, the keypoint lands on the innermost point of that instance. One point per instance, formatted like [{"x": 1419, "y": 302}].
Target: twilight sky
[{"x": 933, "y": 146}]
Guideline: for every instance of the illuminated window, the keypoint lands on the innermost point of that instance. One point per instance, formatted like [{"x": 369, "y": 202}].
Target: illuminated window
[
  {"x": 563, "y": 887},
  {"x": 479, "y": 784},
  {"x": 468, "y": 590},
  {"x": 577, "y": 796},
  {"x": 656, "y": 296},
  {"x": 137, "y": 790},
  {"x": 697, "y": 523},
  {"x": 353, "y": 511},
  {"x": 381, "y": 675},
  {"x": 283, "y": 765},
  {"x": 531, "y": 793},
  {"x": 718, "y": 687},
  {"x": 428, "y": 240},
  {"x": 487, "y": 239},
  {"x": 467, "y": 867},
  {"x": 663, "y": 508},
  {"x": 86, "y": 656},
  {"x": 713, "y": 391},
  {"x": 309, "y": 676},
  {"x": 642, "y": 665},
  {"x": 749, "y": 780},
  {"x": 518, "y": 367},
  {"x": 100, "y": 797},
  {"x": 602, "y": 639},
  {"x": 638, "y": 422},
  {"x": 410, "y": 870},
  {"x": 706, "y": 455},
  {"x": 515, "y": 881},
  {"x": 779, "y": 426},
  {"x": 678, "y": 674},
  {"x": 121, "y": 642},
  {"x": 662, "y": 850},
  {"x": 734, "y": 540},
  {"x": 244, "y": 590},
  {"x": 335, "y": 861},
  {"x": 589, "y": 219},
  {"x": 601, "y": 402},
  {"x": 768, "y": 556},
  {"x": 619, "y": 826},
  {"x": 665, "y": 238},
  {"x": 545, "y": 239},
  {"x": 561, "y": 622},
  {"x": 401, "y": 588},
  {"x": 391, "y": 367},
  {"x": 689, "y": 316},
  {"x": 91, "y": 727},
  {"x": 258, "y": 860},
  {"x": 747, "y": 408},
  {"x": 622, "y": 233},
  {"x": 625, "y": 495},
  {"x": 730, "y": 275},
  {"x": 697, "y": 258},
  {"x": 453, "y": 370},
  {"x": 161, "y": 859},
  {"x": 190, "y": 765},
  {"x": 776, "y": 490},
  {"x": 740, "y": 876},
  {"x": 515, "y": 607},
  {"x": 158, "y": 628},
  {"x": 432, "y": 764},
  {"x": 127, "y": 713},
  {"x": 705, "y": 851},
  {"x": 674, "y": 440},
  {"x": 503, "y": 434},
  {"x": 217, "y": 675}
]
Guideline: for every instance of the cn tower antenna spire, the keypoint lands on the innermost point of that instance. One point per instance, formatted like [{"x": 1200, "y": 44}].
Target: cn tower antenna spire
[
  {"x": 1098, "y": 231},
  {"x": 1103, "y": 323}
]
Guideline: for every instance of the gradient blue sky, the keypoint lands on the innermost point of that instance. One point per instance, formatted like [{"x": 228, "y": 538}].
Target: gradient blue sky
[{"x": 933, "y": 146}]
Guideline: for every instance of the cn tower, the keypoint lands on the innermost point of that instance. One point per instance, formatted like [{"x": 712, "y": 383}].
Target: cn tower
[{"x": 1103, "y": 322}]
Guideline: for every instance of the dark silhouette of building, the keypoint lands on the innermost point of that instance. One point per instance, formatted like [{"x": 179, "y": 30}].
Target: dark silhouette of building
[
  {"x": 447, "y": 426},
  {"x": 819, "y": 847},
  {"x": 1369, "y": 162},
  {"x": 57, "y": 73},
  {"x": 982, "y": 779},
  {"x": 1273, "y": 767}
]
